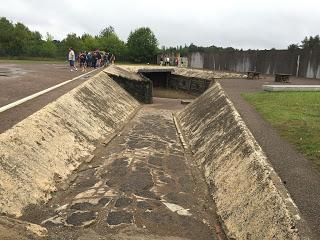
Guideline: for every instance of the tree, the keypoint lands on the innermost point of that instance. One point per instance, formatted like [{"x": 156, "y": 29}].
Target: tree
[
  {"x": 20, "y": 42},
  {"x": 293, "y": 47},
  {"x": 89, "y": 43},
  {"x": 6, "y": 36},
  {"x": 109, "y": 41},
  {"x": 72, "y": 40},
  {"x": 106, "y": 32},
  {"x": 112, "y": 44},
  {"x": 48, "y": 48},
  {"x": 311, "y": 42},
  {"x": 142, "y": 45}
]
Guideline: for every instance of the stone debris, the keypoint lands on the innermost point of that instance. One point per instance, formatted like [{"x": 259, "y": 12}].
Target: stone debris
[{"x": 178, "y": 209}]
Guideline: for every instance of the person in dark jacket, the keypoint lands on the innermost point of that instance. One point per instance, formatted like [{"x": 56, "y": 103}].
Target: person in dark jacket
[{"x": 94, "y": 60}]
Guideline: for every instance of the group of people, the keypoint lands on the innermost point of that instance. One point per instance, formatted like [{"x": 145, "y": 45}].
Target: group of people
[
  {"x": 93, "y": 59},
  {"x": 166, "y": 61}
]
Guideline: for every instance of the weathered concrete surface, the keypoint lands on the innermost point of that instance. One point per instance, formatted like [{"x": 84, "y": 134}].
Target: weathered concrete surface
[
  {"x": 136, "y": 84},
  {"x": 123, "y": 72},
  {"x": 250, "y": 198},
  {"x": 291, "y": 88},
  {"x": 12, "y": 229},
  {"x": 46, "y": 147},
  {"x": 191, "y": 81},
  {"x": 187, "y": 72},
  {"x": 300, "y": 175},
  {"x": 141, "y": 185}
]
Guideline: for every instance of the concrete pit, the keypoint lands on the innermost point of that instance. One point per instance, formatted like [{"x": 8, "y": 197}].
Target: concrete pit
[{"x": 99, "y": 165}]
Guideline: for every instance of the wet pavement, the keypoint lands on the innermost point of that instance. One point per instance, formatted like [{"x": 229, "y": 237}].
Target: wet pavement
[
  {"x": 20, "y": 80},
  {"x": 140, "y": 185}
]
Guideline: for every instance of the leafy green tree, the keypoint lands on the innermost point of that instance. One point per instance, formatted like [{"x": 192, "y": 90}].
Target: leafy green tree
[
  {"x": 142, "y": 45},
  {"x": 6, "y": 36},
  {"x": 106, "y": 32},
  {"x": 109, "y": 41},
  {"x": 311, "y": 42},
  {"x": 72, "y": 40},
  {"x": 293, "y": 47},
  {"x": 89, "y": 42},
  {"x": 48, "y": 48}
]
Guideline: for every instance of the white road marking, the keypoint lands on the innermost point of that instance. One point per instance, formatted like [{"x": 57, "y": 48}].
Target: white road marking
[{"x": 23, "y": 100}]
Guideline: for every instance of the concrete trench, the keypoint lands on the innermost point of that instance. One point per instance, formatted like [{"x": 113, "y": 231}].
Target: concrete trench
[
  {"x": 157, "y": 171},
  {"x": 139, "y": 183}
]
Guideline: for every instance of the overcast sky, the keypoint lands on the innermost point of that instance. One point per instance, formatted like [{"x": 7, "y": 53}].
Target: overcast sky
[{"x": 255, "y": 24}]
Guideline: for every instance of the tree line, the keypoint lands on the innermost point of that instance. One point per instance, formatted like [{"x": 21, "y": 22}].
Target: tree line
[
  {"x": 308, "y": 43},
  {"x": 17, "y": 40}
]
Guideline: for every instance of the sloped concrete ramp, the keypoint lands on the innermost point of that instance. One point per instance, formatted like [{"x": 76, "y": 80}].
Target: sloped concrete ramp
[
  {"x": 47, "y": 146},
  {"x": 249, "y": 196}
]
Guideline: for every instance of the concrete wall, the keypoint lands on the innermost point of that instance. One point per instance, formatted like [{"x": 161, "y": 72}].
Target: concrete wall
[
  {"x": 189, "y": 84},
  {"x": 134, "y": 83},
  {"x": 303, "y": 63},
  {"x": 196, "y": 60},
  {"x": 140, "y": 90},
  {"x": 46, "y": 147},
  {"x": 249, "y": 196}
]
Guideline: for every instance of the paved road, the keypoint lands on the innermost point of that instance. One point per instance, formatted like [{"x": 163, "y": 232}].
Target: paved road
[
  {"x": 300, "y": 176},
  {"x": 21, "y": 80},
  {"x": 139, "y": 186}
]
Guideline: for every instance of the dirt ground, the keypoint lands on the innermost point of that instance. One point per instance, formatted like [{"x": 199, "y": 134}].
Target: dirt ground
[
  {"x": 299, "y": 175},
  {"x": 19, "y": 80},
  {"x": 171, "y": 93}
]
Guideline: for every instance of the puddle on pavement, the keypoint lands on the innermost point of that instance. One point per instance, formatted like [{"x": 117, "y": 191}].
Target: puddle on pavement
[{"x": 8, "y": 72}]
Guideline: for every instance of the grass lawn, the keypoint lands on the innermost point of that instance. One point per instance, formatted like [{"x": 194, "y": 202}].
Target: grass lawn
[{"x": 296, "y": 115}]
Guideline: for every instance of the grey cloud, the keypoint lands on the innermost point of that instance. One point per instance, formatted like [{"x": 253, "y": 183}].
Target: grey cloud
[{"x": 242, "y": 24}]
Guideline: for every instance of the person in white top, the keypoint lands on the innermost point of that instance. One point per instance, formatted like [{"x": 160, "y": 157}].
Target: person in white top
[{"x": 72, "y": 59}]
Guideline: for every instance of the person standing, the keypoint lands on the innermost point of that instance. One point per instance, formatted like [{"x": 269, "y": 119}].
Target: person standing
[
  {"x": 113, "y": 58},
  {"x": 72, "y": 59},
  {"x": 177, "y": 61},
  {"x": 94, "y": 60},
  {"x": 82, "y": 59},
  {"x": 98, "y": 58},
  {"x": 106, "y": 59},
  {"x": 167, "y": 61},
  {"x": 89, "y": 59}
]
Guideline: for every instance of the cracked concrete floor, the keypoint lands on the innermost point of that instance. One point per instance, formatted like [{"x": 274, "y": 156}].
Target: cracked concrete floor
[{"x": 141, "y": 185}]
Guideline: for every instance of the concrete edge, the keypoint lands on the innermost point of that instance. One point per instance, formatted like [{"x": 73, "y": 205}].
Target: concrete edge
[
  {"x": 303, "y": 229},
  {"x": 300, "y": 225},
  {"x": 291, "y": 88}
]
